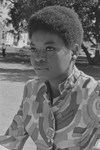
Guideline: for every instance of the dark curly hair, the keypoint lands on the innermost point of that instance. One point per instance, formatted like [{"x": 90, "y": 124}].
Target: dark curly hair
[{"x": 60, "y": 20}]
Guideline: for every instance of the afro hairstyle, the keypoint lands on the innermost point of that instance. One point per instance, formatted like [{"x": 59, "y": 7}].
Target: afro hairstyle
[{"x": 60, "y": 20}]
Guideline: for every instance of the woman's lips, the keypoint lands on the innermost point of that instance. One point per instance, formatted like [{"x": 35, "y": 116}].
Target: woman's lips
[{"x": 41, "y": 68}]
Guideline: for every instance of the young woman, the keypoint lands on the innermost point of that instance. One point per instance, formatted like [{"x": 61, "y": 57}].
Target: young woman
[{"x": 60, "y": 109}]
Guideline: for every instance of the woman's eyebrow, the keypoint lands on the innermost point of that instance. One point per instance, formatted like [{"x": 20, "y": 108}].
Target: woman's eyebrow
[
  {"x": 49, "y": 42},
  {"x": 46, "y": 43}
]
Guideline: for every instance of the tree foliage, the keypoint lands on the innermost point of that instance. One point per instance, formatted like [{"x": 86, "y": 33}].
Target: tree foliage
[{"x": 88, "y": 11}]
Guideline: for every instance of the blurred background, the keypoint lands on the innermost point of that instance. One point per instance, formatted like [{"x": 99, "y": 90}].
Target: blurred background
[{"x": 14, "y": 15}]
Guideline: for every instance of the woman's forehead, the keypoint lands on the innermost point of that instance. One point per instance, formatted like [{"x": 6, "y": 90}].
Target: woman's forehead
[{"x": 45, "y": 37}]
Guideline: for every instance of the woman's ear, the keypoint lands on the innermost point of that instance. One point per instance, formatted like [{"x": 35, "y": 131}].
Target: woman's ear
[{"x": 75, "y": 51}]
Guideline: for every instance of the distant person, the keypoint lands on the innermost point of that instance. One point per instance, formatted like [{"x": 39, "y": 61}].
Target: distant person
[
  {"x": 60, "y": 109},
  {"x": 3, "y": 50}
]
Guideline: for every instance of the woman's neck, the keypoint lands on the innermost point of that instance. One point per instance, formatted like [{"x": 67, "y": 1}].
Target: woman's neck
[{"x": 54, "y": 84}]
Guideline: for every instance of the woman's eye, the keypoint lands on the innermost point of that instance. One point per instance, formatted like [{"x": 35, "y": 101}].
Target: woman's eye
[
  {"x": 50, "y": 49},
  {"x": 32, "y": 49}
]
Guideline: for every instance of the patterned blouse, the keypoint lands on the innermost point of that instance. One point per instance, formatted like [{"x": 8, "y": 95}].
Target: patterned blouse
[{"x": 70, "y": 122}]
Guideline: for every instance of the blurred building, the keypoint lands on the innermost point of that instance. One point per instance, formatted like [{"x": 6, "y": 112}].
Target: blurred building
[{"x": 5, "y": 36}]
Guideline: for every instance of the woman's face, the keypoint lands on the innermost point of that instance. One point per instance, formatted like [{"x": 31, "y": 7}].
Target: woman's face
[{"x": 49, "y": 56}]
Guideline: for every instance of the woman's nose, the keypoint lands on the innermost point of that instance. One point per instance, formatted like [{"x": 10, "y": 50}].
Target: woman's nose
[{"x": 40, "y": 57}]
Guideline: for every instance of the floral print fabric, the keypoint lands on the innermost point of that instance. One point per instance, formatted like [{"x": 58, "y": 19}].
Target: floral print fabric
[{"x": 72, "y": 122}]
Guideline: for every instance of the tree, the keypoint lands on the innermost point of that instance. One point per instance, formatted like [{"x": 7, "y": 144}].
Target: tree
[{"x": 88, "y": 11}]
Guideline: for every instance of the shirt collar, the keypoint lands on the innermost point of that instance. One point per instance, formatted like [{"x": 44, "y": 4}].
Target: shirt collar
[
  {"x": 67, "y": 83},
  {"x": 70, "y": 81}
]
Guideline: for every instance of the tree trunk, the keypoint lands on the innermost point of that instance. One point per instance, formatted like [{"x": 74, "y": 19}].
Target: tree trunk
[
  {"x": 85, "y": 49},
  {"x": 92, "y": 60},
  {"x": 97, "y": 28},
  {"x": 97, "y": 54},
  {"x": 96, "y": 59}
]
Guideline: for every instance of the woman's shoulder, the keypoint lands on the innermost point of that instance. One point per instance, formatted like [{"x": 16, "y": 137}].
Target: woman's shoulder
[
  {"x": 85, "y": 81},
  {"x": 88, "y": 85},
  {"x": 88, "y": 82},
  {"x": 32, "y": 82},
  {"x": 32, "y": 86}
]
